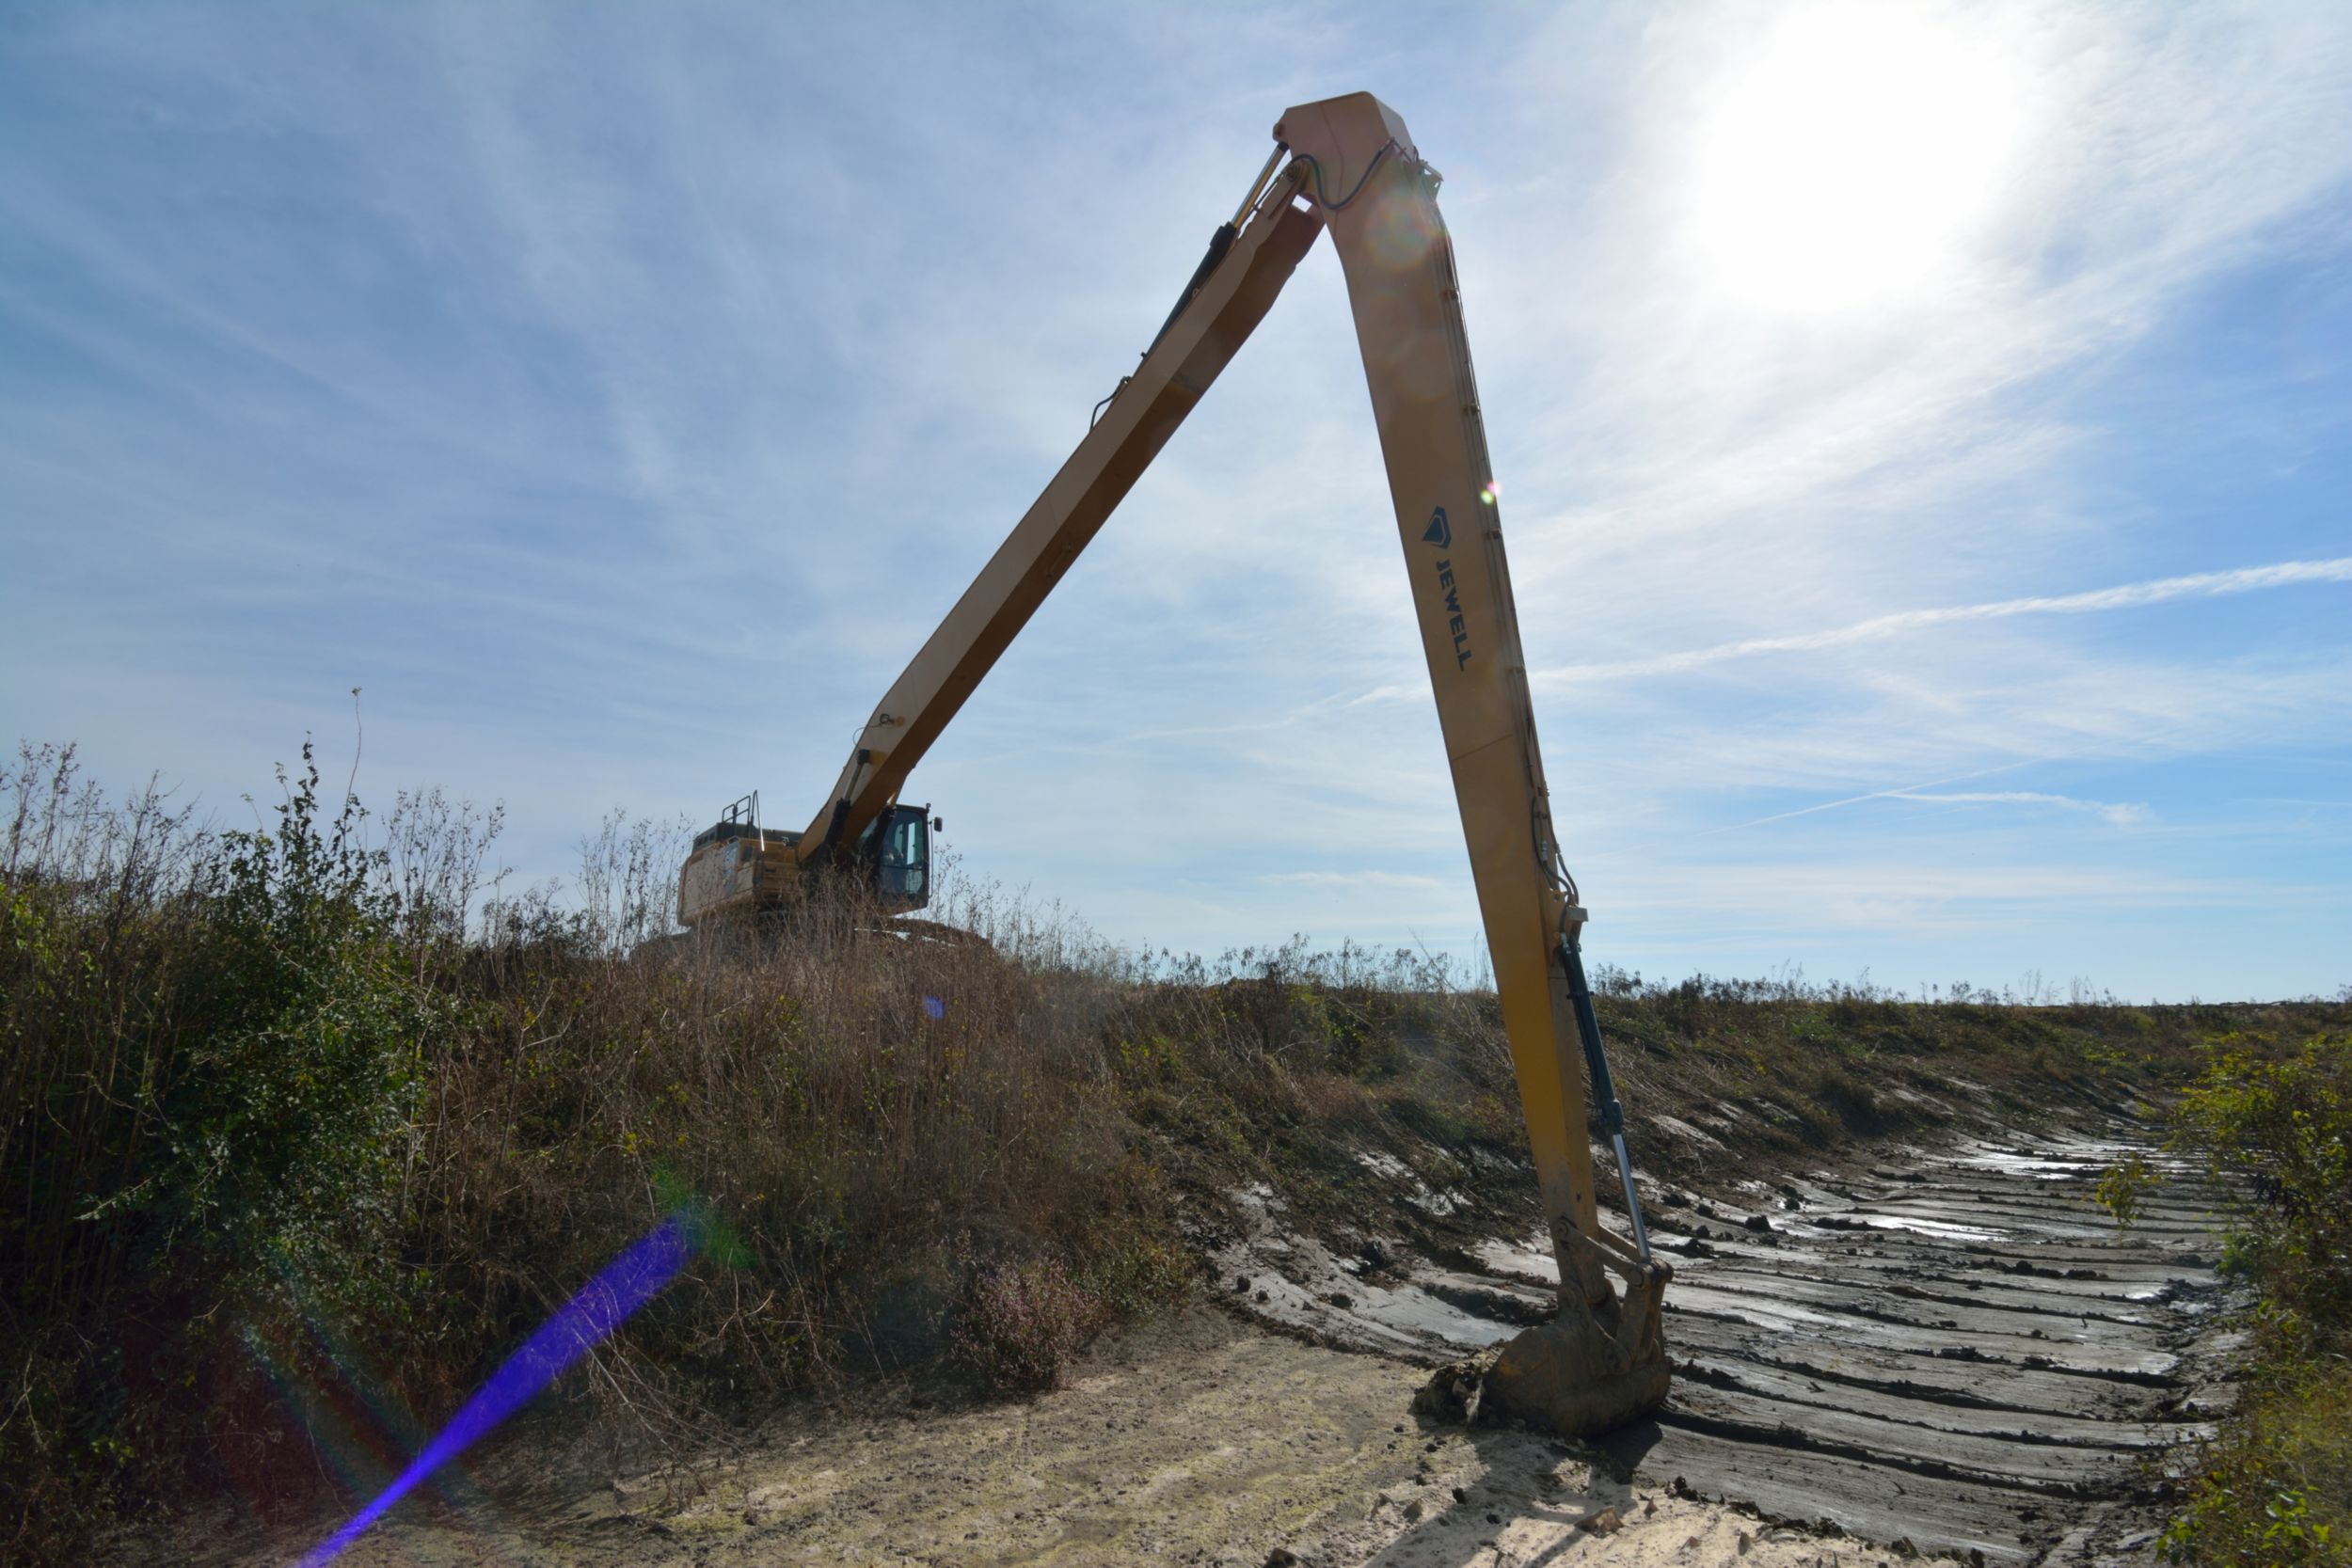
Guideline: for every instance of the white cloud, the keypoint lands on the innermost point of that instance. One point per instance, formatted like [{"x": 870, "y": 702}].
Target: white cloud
[
  {"x": 621, "y": 395},
  {"x": 1887, "y": 894}
]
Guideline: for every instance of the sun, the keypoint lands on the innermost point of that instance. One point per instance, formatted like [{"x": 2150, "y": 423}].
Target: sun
[{"x": 1851, "y": 162}]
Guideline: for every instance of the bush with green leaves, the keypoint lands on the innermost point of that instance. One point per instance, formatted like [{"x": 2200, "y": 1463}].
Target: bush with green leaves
[
  {"x": 2275, "y": 1485},
  {"x": 211, "y": 1047}
]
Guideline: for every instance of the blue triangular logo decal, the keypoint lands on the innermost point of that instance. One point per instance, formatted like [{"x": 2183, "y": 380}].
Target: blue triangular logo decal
[{"x": 1440, "y": 531}]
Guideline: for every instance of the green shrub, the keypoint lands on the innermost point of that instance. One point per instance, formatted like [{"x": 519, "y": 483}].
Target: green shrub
[
  {"x": 2121, "y": 1187},
  {"x": 211, "y": 1070},
  {"x": 2275, "y": 1485}
]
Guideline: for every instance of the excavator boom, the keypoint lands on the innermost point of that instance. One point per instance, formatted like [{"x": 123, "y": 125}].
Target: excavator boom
[
  {"x": 1190, "y": 352},
  {"x": 1349, "y": 164}
]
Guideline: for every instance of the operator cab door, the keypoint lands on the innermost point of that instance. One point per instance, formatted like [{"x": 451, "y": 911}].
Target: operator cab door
[{"x": 898, "y": 849}]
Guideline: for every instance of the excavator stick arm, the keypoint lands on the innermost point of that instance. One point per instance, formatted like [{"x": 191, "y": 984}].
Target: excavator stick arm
[{"x": 1604, "y": 1360}]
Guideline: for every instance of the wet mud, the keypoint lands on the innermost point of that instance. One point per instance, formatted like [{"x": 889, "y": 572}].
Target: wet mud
[
  {"x": 1952, "y": 1347},
  {"x": 1944, "y": 1353}
]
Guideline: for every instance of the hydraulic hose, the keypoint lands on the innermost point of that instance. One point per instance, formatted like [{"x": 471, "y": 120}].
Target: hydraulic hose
[{"x": 1610, "y": 1113}]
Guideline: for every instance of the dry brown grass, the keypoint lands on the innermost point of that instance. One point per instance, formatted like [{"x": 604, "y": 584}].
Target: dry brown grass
[{"x": 302, "y": 1131}]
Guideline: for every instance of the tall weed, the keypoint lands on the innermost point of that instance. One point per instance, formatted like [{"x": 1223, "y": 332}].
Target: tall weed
[{"x": 305, "y": 1126}]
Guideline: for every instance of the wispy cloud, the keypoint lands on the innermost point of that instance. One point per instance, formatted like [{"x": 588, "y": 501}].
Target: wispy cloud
[
  {"x": 1357, "y": 879},
  {"x": 1866, "y": 796},
  {"x": 2123, "y": 814},
  {"x": 622, "y": 395},
  {"x": 1935, "y": 896},
  {"x": 2130, "y": 596}
]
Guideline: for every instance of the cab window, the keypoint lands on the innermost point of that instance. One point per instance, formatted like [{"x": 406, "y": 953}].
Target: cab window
[{"x": 904, "y": 862}]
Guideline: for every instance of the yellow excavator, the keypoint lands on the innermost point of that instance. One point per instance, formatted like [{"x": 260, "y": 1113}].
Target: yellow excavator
[{"x": 1347, "y": 165}]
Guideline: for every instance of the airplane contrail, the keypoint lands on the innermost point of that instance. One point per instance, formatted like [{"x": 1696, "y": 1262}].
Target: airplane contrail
[
  {"x": 2245, "y": 580},
  {"x": 2123, "y": 813}
]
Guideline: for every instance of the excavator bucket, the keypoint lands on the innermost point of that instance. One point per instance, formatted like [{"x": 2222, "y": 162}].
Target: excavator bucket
[
  {"x": 1599, "y": 1365},
  {"x": 1572, "y": 1379},
  {"x": 1595, "y": 1367}
]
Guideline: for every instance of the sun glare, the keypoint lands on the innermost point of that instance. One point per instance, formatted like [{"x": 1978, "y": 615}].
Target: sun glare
[{"x": 1850, "y": 160}]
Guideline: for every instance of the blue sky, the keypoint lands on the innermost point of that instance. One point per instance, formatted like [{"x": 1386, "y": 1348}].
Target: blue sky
[{"x": 1925, "y": 438}]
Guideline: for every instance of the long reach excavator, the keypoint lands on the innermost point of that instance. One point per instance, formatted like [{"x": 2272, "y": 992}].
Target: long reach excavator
[{"x": 1347, "y": 165}]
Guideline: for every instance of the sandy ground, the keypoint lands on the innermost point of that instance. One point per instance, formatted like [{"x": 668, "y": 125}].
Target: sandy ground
[
  {"x": 1958, "y": 1351},
  {"x": 1202, "y": 1440}
]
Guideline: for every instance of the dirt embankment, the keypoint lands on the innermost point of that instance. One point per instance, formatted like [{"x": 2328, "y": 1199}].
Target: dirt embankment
[
  {"x": 299, "y": 1156},
  {"x": 1203, "y": 1439},
  {"x": 1938, "y": 1351}
]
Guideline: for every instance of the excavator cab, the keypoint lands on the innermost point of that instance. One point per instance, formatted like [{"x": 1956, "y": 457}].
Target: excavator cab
[
  {"x": 896, "y": 852},
  {"x": 740, "y": 868}
]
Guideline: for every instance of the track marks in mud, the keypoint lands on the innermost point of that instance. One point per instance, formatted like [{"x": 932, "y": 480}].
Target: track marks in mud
[{"x": 1954, "y": 1346}]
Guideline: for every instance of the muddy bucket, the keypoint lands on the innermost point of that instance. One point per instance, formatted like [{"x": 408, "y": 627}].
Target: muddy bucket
[{"x": 1592, "y": 1368}]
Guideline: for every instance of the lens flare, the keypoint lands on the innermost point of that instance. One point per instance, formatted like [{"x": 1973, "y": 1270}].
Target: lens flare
[{"x": 620, "y": 1289}]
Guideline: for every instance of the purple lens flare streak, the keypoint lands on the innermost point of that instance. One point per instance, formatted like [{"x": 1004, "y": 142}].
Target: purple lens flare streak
[{"x": 618, "y": 1289}]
